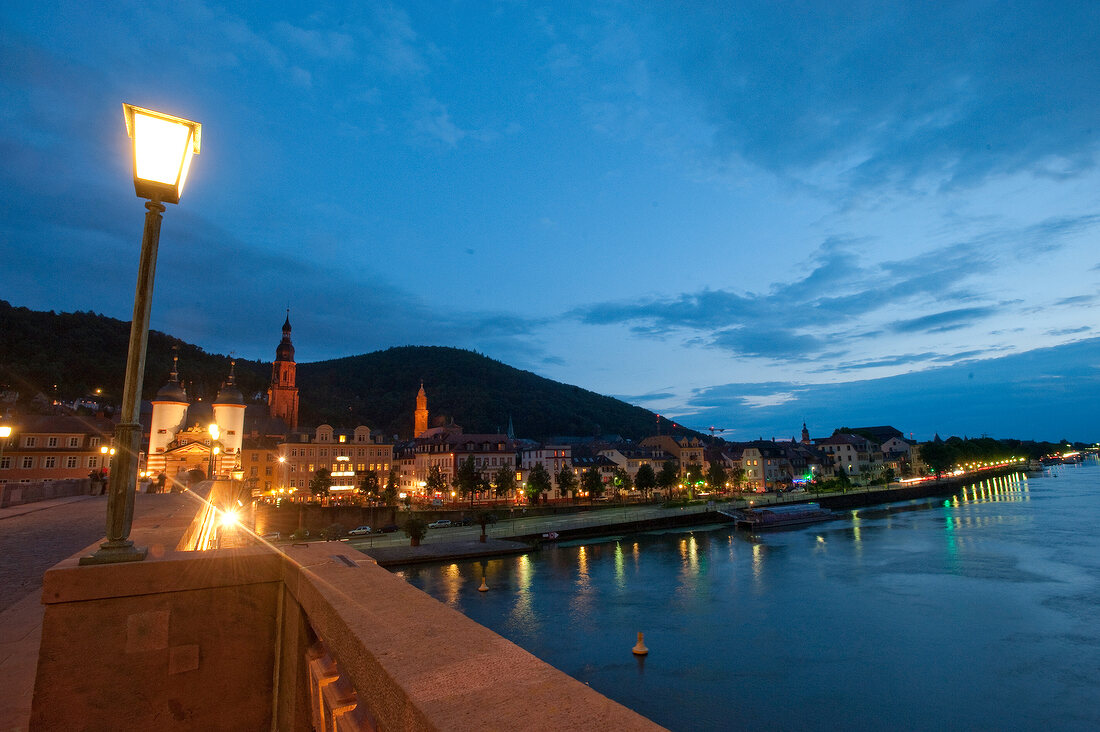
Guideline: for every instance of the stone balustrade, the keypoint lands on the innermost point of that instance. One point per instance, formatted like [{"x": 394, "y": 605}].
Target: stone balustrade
[{"x": 315, "y": 636}]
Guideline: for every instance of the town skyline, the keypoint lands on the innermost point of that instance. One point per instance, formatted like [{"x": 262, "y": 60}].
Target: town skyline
[{"x": 742, "y": 218}]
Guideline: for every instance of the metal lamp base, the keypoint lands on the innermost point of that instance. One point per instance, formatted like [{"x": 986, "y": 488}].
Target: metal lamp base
[{"x": 116, "y": 553}]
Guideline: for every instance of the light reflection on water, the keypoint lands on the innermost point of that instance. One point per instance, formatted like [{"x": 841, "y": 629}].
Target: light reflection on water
[{"x": 983, "y": 601}]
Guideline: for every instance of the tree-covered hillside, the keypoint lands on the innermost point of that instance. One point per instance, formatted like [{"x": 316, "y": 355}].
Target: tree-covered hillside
[
  {"x": 476, "y": 392},
  {"x": 69, "y": 355}
]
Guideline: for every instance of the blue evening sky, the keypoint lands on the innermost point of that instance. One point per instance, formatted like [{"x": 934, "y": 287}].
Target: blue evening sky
[{"x": 742, "y": 215}]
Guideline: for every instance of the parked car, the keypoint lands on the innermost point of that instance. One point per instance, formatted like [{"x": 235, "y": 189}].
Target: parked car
[
  {"x": 387, "y": 529},
  {"x": 359, "y": 531},
  {"x": 465, "y": 521},
  {"x": 440, "y": 524}
]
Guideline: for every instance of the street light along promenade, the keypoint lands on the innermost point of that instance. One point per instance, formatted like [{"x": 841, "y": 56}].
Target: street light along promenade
[{"x": 163, "y": 146}]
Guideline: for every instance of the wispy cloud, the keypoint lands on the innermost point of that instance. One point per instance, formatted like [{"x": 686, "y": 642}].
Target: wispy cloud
[
  {"x": 937, "y": 322},
  {"x": 843, "y": 298}
]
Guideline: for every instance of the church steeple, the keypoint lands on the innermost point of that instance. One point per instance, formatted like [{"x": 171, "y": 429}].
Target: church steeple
[
  {"x": 282, "y": 395},
  {"x": 420, "y": 417}
]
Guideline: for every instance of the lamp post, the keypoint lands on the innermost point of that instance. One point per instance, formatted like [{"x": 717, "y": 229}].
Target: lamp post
[{"x": 162, "y": 149}]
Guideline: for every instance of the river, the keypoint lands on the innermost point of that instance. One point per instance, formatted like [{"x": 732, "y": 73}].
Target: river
[{"x": 979, "y": 611}]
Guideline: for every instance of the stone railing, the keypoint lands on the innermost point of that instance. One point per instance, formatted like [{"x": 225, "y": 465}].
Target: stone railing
[
  {"x": 16, "y": 494},
  {"x": 313, "y": 637}
]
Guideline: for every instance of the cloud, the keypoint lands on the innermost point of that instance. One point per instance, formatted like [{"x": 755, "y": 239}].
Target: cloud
[
  {"x": 1077, "y": 300},
  {"x": 888, "y": 94},
  {"x": 938, "y": 322},
  {"x": 1069, "y": 331},
  {"x": 321, "y": 43},
  {"x": 843, "y": 298},
  {"x": 1033, "y": 395},
  {"x": 435, "y": 122}
]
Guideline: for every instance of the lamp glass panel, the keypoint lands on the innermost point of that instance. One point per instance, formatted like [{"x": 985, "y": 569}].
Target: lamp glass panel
[{"x": 161, "y": 149}]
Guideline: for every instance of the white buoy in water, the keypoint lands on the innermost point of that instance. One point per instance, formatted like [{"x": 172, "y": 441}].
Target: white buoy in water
[
  {"x": 484, "y": 587},
  {"x": 639, "y": 648}
]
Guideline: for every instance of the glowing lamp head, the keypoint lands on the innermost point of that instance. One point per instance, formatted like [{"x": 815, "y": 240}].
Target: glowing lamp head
[
  {"x": 215, "y": 433},
  {"x": 5, "y": 432},
  {"x": 229, "y": 518},
  {"x": 163, "y": 147}
]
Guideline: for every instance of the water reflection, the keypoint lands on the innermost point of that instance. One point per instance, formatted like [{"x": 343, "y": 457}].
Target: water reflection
[
  {"x": 900, "y": 604},
  {"x": 620, "y": 572}
]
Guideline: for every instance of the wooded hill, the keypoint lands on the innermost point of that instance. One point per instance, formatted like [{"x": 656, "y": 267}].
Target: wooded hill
[{"x": 69, "y": 355}]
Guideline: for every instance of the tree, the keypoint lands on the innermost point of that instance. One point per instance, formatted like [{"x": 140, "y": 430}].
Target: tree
[
  {"x": 593, "y": 483},
  {"x": 538, "y": 482},
  {"x": 505, "y": 481},
  {"x": 389, "y": 494},
  {"x": 668, "y": 477},
  {"x": 937, "y": 455},
  {"x": 415, "y": 528},
  {"x": 484, "y": 518},
  {"x": 717, "y": 476},
  {"x": 320, "y": 483},
  {"x": 622, "y": 481},
  {"x": 567, "y": 482},
  {"x": 467, "y": 479},
  {"x": 646, "y": 479},
  {"x": 484, "y": 485},
  {"x": 435, "y": 483},
  {"x": 737, "y": 477},
  {"x": 369, "y": 486}
]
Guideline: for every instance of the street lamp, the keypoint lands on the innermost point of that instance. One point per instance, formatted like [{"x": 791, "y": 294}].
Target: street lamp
[
  {"x": 214, "y": 450},
  {"x": 162, "y": 149}
]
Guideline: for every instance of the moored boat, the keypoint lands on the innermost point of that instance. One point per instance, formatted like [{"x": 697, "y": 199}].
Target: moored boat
[{"x": 777, "y": 517}]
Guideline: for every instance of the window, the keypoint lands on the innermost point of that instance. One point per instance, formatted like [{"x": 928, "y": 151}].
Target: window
[
  {"x": 255, "y": 457},
  {"x": 230, "y": 432},
  {"x": 254, "y": 471},
  {"x": 270, "y": 457},
  {"x": 93, "y": 442},
  {"x": 324, "y": 452},
  {"x": 28, "y": 463},
  {"x": 51, "y": 442},
  {"x": 72, "y": 462},
  {"x": 29, "y": 441},
  {"x": 74, "y": 442},
  {"x": 5, "y": 463},
  {"x": 267, "y": 470},
  {"x": 93, "y": 462}
]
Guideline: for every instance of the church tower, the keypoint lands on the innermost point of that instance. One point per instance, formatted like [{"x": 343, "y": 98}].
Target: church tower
[
  {"x": 282, "y": 395},
  {"x": 420, "y": 420},
  {"x": 805, "y": 435}
]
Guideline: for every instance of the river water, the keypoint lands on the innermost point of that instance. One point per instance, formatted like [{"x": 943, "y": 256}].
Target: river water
[{"x": 978, "y": 611}]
